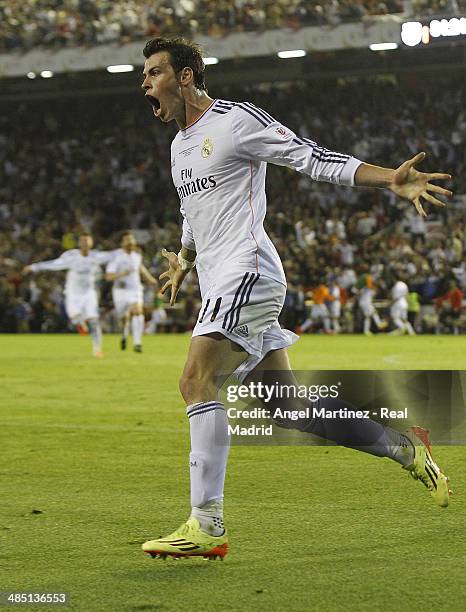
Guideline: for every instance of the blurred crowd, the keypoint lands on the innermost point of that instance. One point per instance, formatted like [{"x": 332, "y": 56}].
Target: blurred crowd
[
  {"x": 102, "y": 164},
  {"x": 26, "y": 24}
]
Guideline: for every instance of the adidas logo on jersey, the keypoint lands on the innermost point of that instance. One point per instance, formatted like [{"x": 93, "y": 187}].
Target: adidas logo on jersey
[{"x": 242, "y": 330}]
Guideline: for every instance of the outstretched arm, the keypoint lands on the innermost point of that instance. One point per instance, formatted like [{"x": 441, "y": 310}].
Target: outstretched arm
[
  {"x": 146, "y": 275},
  {"x": 53, "y": 265},
  {"x": 258, "y": 136},
  {"x": 405, "y": 181},
  {"x": 113, "y": 276}
]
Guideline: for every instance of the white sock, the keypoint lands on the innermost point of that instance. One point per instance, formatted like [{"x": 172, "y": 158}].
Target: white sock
[
  {"x": 137, "y": 327},
  {"x": 409, "y": 328},
  {"x": 326, "y": 324},
  {"x": 210, "y": 445},
  {"x": 210, "y": 517},
  {"x": 306, "y": 325},
  {"x": 367, "y": 324},
  {"x": 96, "y": 334},
  {"x": 377, "y": 320}
]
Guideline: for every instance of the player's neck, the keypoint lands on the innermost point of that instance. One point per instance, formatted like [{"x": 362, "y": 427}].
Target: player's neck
[
  {"x": 196, "y": 103},
  {"x": 84, "y": 253}
]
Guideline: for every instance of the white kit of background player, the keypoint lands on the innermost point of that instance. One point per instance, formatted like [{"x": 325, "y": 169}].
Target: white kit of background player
[
  {"x": 83, "y": 266},
  {"x": 125, "y": 270}
]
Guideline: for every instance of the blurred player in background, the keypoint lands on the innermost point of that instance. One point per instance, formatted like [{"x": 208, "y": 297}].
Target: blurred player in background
[
  {"x": 219, "y": 158},
  {"x": 334, "y": 304},
  {"x": 158, "y": 316},
  {"x": 319, "y": 310},
  {"x": 81, "y": 301},
  {"x": 124, "y": 271},
  {"x": 366, "y": 294},
  {"x": 399, "y": 309},
  {"x": 449, "y": 306}
]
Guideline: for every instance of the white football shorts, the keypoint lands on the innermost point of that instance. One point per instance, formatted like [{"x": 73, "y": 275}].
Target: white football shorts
[
  {"x": 399, "y": 310},
  {"x": 123, "y": 299},
  {"x": 244, "y": 307},
  {"x": 81, "y": 306},
  {"x": 367, "y": 308},
  {"x": 319, "y": 311},
  {"x": 335, "y": 309}
]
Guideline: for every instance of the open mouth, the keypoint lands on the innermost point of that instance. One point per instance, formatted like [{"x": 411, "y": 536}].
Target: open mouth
[{"x": 155, "y": 105}]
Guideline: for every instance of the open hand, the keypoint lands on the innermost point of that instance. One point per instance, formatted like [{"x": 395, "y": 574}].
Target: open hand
[
  {"x": 174, "y": 274},
  {"x": 413, "y": 185}
]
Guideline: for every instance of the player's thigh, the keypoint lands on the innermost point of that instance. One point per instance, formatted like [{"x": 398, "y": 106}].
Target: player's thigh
[
  {"x": 120, "y": 303},
  {"x": 276, "y": 364},
  {"x": 212, "y": 358},
  {"x": 135, "y": 309},
  {"x": 275, "y": 372},
  {"x": 396, "y": 311},
  {"x": 367, "y": 309},
  {"x": 73, "y": 306},
  {"x": 90, "y": 306}
]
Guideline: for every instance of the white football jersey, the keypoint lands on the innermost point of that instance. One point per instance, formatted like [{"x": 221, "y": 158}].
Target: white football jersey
[
  {"x": 122, "y": 262},
  {"x": 218, "y": 167},
  {"x": 399, "y": 290},
  {"x": 335, "y": 291},
  {"x": 82, "y": 270}
]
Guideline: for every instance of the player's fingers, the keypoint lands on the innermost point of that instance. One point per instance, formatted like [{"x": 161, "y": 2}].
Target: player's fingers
[
  {"x": 439, "y": 176},
  {"x": 173, "y": 295},
  {"x": 419, "y": 208},
  {"x": 165, "y": 274},
  {"x": 165, "y": 253},
  {"x": 416, "y": 159},
  {"x": 165, "y": 287},
  {"x": 432, "y": 200},
  {"x": 438, "y": 189}
]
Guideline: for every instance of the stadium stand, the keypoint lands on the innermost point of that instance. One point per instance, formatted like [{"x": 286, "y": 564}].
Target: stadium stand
[{"x": 27, "y": 24}]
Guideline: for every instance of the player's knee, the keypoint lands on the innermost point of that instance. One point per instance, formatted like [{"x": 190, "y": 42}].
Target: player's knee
[{"x": 196, "y": 386}]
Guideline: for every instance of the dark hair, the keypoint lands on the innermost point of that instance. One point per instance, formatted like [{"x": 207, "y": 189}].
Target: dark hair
[
  {"x": 183, "y": 53},
  {"x": 85, "y": 233}
]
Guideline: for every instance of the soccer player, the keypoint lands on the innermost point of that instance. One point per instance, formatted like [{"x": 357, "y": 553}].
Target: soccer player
[
  {"x": 125, "y": 271},
  {"x": 319, "y": 309},
  {"x": 81, "y": 301},
  {"x": 399, "y": 309},
  {"x": 334, "y": 304},
  {"x": 366, "y": 293},
  {"x": 219, "y": 158},
  {"x": 450, "y": 306}
]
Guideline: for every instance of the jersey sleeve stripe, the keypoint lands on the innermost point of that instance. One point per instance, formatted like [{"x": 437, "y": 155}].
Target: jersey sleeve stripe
[
  {"x": 265, "y": 116},
  {"x": 320, "y": 157},
  {"x": 323, "y": 149},
  {"x": 253, "y": 114},
  {"x": 221, "y": 104},
  {"x": 321, "y": 154},
  {"x": 264, "y": 113}
]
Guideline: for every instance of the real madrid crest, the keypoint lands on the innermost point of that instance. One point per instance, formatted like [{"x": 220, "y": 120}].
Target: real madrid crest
[{"x": 207, "y": 147}]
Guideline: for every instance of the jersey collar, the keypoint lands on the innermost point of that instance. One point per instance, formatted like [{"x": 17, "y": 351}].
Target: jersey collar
[{"x": 200, "y": 116}]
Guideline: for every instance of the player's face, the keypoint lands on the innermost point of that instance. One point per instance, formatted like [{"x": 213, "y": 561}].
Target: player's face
[
  {"x": 85, "y": 243},
  {"x": 161, "y": 86},
  {"x": 128, "y": 243}
]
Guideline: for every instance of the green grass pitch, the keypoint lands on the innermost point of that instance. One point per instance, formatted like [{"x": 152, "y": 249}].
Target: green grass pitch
[{"x": 94, "y": 462}]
